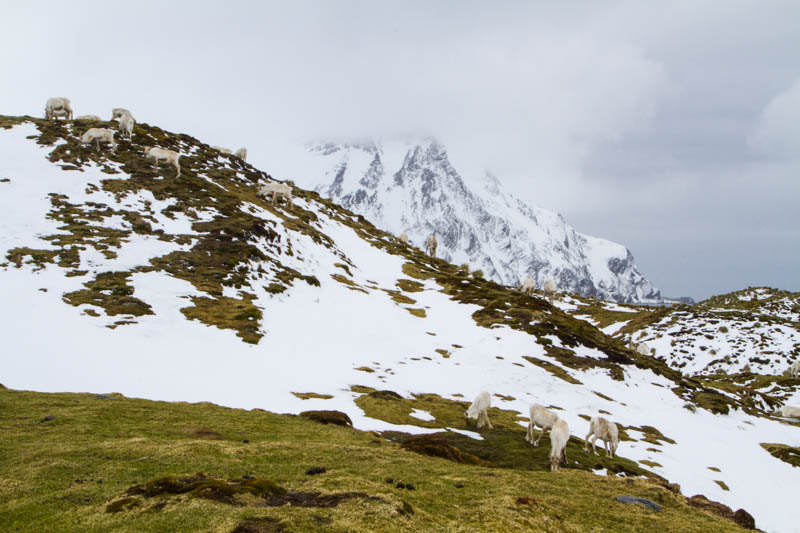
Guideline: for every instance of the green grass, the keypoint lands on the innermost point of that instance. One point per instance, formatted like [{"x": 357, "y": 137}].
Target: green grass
[{"x": 121, "y": 464}]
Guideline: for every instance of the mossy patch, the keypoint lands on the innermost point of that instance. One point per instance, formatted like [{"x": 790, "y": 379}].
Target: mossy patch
[
  {"x": 209, "y": 488},
  {"x": 554, "y": 369},
  {"x": 124, "y": 504},
  {"x": 436, "y": 445},
  {"x": 240, "y": 315},
  {"x": 785, "y": 453},
  {"x": 38, "y": 258},
  {"x": 722, "y": 485},
  {"x": 310, "y": 395},
  {"x": 112, "y": 292},
  {"x": 259, "y": 525},
  {"x": 417, "y": 312}
]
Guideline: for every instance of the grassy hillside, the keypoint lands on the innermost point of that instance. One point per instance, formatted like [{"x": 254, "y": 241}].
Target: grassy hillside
[{"x": 82, "y": 462}]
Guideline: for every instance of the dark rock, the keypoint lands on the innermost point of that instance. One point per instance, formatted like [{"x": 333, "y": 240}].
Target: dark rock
[
  {"x": 741, "y": 517},
  {"x": 314, "y": 470},
  {"x": 385, "y": 395},
  {"x": 744, "y": 519},
  {"x": 328, "y": 417},
  {"x": 103, "y": 397},
  {"x": 48, "y": 418},
  {"x": 633, "y": 499},
  {"x": 389, "y": 480}
]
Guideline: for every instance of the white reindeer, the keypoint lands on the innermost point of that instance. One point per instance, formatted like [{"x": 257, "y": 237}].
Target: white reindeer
[
  {"x": 607, "y": 431},
  {"x": 542, "y": 417},
  {"x": 170, "y": 156},
  {"x": 478, "y": 410},
  {"x": 58, "y": 106},
  {"x": 99, "y": 135},
  {"x": 559, "y": 436},
  {"x": 431, "y": 243}
]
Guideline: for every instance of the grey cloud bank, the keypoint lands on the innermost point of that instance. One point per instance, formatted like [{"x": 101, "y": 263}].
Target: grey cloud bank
[{"x": 671, "y": 129}]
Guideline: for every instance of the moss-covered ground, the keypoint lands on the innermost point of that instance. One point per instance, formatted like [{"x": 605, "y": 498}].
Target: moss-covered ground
[{"x": 86, "y": 462}]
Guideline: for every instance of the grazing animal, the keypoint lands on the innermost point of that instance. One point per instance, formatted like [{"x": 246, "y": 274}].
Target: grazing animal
[
  {"x": 89, "y": 117},
  {"x": 118, "y": 112},
  {"x": 602, "y": 429},
  {"x": 276, "y": 190},
  {"x": 559, "y": 436},
  {"x": 58, "y": 106},
  {"x": 528, "y": 286},
  {"x": 241, "y": 153},
  {"x": 431, "y": 243},
  {"x": 170, "y": 156},
  {"x": 542, "y": 417},
  {"x": 478, "y": 410},
  {"x": 126, "y": 124},
  {"x": 99, "y": 135},
  {"x": 794, "y": 370},
  {"x": 790, "y": 411},
  {"x": 223, "y": 150},
  {"x": 403, "y": 237},
  {"x": 550, "y": 288},
  {"x": 643, "y": 349}
]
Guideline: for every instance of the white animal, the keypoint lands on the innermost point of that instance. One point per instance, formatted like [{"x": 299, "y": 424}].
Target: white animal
[
  {"x": 403, "y": 237},
  {"x": 276, "y": 190},
  {"x": 643, "y": 349},
  {"x": 126, "y": 123},
  {"x": 478, "y": 410},
  {"x": 170, "y": 156},
  {"x": 602, "y": 429},
  {"x": 99, "y": 135},
  {"x": 223, "y": 150},
  {"x": 542, "y": 417},
  {"x": 528, "y": 286},
  {"x": 89, "y": 117},
  {"x": 241, "y": 153},
  {"x": 57, "y": 106},
  {"x": 118, "y": 112},
  {"x": 550, "y": 288},
  {"x": 559, "y": 436},
  {"x": 790, "y": 411},
  {"x": 794, "y": 370},
  {"x": 431, "y": 243}
]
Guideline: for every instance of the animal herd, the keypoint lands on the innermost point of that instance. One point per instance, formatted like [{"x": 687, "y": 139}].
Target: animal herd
[
  {"x": 60, "y": 107},
  {"x": 545, "y": 419}
]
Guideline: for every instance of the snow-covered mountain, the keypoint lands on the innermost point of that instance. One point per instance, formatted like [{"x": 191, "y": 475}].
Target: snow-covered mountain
[
  {"x": 118, "y": 277},
  {"x": 414, "y": 187}
]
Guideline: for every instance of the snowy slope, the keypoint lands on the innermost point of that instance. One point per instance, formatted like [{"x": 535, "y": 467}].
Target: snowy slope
[
  {"x": 756, "y": 330},
  {"x": 317, "y": 295},
  {"x": 414, "y": 187}
]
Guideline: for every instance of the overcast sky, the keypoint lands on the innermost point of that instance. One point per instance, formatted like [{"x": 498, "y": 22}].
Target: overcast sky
[{"x": 670, "y": 127}]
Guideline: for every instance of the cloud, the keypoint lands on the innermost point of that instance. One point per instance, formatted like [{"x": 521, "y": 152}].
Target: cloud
[
  {"x": 645, "y": 124},
  {"x": 777, "y": 132}
]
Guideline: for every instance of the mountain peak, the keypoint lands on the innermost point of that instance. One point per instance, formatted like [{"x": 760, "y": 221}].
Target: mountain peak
[{"x": 411, "y": 185}]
